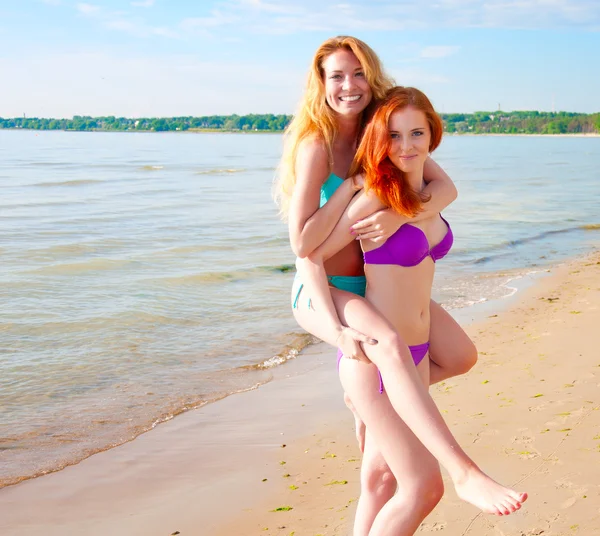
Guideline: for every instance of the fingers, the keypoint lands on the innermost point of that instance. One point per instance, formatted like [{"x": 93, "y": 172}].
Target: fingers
[
  {"x": 362, "y": 225},
  {"x": 360, "y": 356},
  {"x": 370, "y": 235},
  {"x": 381, "y": 238},
  {"x": 361, "y": 337}
]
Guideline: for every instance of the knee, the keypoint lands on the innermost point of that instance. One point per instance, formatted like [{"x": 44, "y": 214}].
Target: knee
[
  {"x": 379, "y": 481},
  {"x": 424, "y": 495},
  {"x": 432, "y": 493},
  {"x": 393, "y": 347},
  {"x": 468, "y": 358}
]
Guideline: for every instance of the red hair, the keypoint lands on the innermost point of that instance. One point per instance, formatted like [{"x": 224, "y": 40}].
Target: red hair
[{"x": 381, "y": 175}]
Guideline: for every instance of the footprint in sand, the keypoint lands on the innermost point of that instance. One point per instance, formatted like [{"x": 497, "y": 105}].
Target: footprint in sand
[
  {"x": 528, "y": 454},
  {"x": 524, "y": 439},
  {"x": 433, "y": 527},
  {"x": 568, "y": 503}
]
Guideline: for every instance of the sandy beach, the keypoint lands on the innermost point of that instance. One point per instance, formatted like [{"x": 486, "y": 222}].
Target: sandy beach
[{"x": 283, "y": 460}]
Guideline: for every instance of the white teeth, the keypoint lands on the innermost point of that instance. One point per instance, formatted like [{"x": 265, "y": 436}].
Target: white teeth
[{"x": 350, "y": 98}]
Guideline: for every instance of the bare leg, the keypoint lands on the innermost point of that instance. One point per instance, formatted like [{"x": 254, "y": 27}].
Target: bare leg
[
  {"x": 412, "y": 403},
  {"x": 452, "y": 352},
  {"x": 377, "y": 486},
  {"x": 377, "y": 482},
  {"x": 420, "y": 483}
]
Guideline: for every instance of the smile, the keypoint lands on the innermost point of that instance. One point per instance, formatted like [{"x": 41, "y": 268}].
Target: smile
[{"x": 350, "y": 98}]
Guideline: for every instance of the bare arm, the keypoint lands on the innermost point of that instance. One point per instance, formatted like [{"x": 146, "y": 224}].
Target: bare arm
[
  {"x": 313, "y": 275},
  {"x": 380, "y": 226},
  {"x": 310, "y": 225}
]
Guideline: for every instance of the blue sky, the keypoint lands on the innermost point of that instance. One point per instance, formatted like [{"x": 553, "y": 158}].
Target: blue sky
[{"x": 59, "y": 58}]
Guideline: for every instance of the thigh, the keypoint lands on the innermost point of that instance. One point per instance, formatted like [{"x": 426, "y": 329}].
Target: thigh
[
  {"x": 408, "y": 459},
  {"x": 448, "y": 342},
  {"x": 353, "y": 310}
]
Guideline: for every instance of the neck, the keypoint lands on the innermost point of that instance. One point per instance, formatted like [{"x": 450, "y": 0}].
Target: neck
[
  {"x": 415, "y": 179},
  {"x": 348, "y": 128}
]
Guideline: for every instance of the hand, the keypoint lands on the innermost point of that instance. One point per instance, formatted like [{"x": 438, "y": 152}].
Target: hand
[
  {"x": 378, "y": 227},
  {"x": 348, "y": 341}
]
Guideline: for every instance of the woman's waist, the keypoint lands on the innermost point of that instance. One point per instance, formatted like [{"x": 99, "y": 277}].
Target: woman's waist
[
  {"x": 407, "y": 312},
  {"x": 347, "y": 262}
]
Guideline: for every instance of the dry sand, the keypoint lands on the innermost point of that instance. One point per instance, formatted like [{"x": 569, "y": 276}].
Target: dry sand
[{"x": 527, "y": 413}]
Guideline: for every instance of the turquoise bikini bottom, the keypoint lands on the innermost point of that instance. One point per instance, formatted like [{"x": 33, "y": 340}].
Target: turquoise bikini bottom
[{"x": 356, "y": 284}]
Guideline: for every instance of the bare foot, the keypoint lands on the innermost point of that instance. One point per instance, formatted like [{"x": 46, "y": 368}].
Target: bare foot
[{"x": 486, "y": 494}]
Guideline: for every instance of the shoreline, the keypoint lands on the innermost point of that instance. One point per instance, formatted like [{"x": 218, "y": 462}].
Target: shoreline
[
  {"x": 222, "y": 131},
  {"x": 161, "y": 477}
]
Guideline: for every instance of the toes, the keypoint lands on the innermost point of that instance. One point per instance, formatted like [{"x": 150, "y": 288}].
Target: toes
[
  {"x": 509, "y": 506},
  {"x": 493, "y": 509},
  {"x": 505, "y": 511},
  {"x": 518, "y": 497}
]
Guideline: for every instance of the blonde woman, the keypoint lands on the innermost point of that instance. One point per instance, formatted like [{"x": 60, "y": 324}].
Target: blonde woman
[{"x": 345, "y": 82}]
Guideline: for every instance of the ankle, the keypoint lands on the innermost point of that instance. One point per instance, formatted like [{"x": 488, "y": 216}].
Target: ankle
[{"x": 463, "y": 473}]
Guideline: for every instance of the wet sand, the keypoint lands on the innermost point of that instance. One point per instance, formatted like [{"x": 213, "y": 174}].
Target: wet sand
[{"x": 283, "y": 460}]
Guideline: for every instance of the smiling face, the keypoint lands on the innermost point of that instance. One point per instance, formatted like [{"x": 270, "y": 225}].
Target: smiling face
[
  {"x": 410, "y": 139},
  {"x": 346, "y": 88}
]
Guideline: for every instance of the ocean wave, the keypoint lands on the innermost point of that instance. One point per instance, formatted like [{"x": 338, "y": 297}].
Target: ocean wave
[
  {"x": 152, "y": 168},
  {"x": 220, "y": 171},
  {"x": 47, "y": 164},
  {"x": 506, "y": 246},
  {"x": 228, "y": 276},
  {"x": 93, "y": 265},
  {"x": 299, "y": 341},
  {"x": 74, "y": 182}
]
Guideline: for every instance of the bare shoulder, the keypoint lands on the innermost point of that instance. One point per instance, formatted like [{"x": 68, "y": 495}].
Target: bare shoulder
[{"x": 312, "y": 159}]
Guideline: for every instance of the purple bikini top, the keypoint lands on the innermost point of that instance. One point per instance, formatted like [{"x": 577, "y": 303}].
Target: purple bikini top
[{"x": 408, "y": 246}]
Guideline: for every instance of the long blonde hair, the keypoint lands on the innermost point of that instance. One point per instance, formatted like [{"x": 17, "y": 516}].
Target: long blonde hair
[{"x": 316, "y": 118}]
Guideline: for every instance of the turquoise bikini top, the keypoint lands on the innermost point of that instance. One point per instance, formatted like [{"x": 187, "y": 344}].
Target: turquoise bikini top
[{"x": 332, "y": 183}]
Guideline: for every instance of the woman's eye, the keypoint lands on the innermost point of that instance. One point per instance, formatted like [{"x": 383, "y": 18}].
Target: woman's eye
[
  {"x": 360, "y": 73},
  {"x": 418, "y": 133}
]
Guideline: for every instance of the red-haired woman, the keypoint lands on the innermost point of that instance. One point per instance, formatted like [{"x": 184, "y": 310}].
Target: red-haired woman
[{"x": 390, "y": 392}]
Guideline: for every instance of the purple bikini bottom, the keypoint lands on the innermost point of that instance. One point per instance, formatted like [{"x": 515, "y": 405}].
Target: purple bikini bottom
[{"x": 418, "y": 352}]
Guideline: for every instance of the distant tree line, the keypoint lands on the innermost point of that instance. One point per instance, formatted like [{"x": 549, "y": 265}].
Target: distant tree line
[
  {"x": 252, "y": 122},
  {"x": 522, "y": 123},
  {"x": 528, "y": 122}
]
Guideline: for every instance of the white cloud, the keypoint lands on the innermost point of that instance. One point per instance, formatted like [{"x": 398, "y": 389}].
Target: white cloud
[
  {"x": 143, "y": 3},
  {"x": 216, "y": 19},
  {"x": 138, "y": 29},
  {"x": 439, "y": 51},
  {"x": 269, "y": 7},
  {"x": 87, "y": 9},
  {"x": 261, "y": 16}
]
